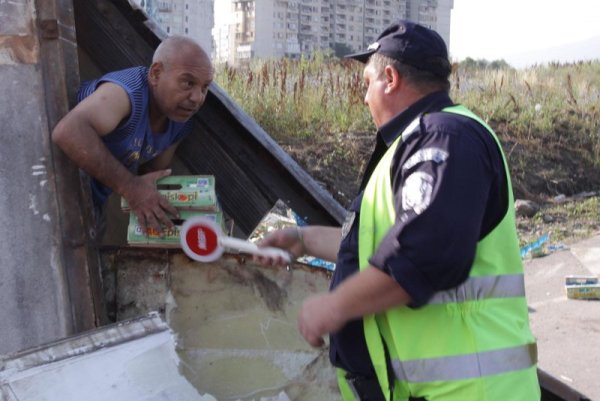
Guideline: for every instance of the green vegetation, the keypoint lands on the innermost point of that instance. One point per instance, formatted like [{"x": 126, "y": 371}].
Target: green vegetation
[
  {"x": 546, "y": 117},
  {"x": 565, "y": 222},
  {"x": 309, "y": 98},
  {"x": 300, "y": 98},
  {"x": 556, "y": 102}
]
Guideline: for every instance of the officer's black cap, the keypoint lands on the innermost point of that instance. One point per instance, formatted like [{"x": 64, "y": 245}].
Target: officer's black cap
[{"x": 411, "y": 44}]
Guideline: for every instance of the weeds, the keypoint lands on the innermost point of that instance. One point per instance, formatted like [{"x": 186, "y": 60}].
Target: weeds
[
  {"x": 308, "y": 98},
  {"x": 566, "y": 222},
  {"x": 300, "y": 98},
  {"x": 547, "y": 118}
]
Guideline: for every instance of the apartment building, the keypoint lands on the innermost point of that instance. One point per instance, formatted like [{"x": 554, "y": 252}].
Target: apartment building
[
  {"x": 246, "y": 29},
  {"x": 192, "y": 18}
]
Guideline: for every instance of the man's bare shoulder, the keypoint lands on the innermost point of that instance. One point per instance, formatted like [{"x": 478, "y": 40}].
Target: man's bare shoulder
[{"x": 105, "y": 108}]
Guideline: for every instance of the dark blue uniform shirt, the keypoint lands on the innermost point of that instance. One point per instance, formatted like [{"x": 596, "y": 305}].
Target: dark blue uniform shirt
[{"x": 450, "y": 191}]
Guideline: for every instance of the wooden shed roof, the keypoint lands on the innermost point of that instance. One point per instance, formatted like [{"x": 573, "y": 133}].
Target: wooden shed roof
[{"x": 252, "y": 171}]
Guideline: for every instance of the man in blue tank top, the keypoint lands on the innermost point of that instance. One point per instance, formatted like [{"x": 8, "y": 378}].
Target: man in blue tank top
[{"x": 126, "y": 127}]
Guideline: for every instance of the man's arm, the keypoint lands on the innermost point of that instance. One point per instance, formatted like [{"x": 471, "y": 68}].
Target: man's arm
[
  {"x": 79, "y": 134},
  {"x": 365, "y": 293},
  {"x": 319, "y": 241}
]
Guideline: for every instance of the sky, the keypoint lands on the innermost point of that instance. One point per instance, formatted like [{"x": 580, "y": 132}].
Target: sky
[{"x": 525, "y": 32}]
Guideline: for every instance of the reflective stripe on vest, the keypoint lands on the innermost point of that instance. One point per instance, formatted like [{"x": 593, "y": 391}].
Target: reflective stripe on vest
[
  {"x": 470, "y": 366},
  {"x": 484, "y": 287}
]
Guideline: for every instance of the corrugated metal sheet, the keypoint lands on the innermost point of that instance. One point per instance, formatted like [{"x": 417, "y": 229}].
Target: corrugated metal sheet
[{"x": 130, "y": 361}]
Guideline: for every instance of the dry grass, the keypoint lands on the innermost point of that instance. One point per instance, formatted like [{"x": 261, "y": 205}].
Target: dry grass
[
  {"x": 324, "y": 97},
  {"x": 546, "y": 117}
]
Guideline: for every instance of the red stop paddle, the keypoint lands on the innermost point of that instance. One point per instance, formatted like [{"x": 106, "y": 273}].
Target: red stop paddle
[{"x": 202, "y": 240}]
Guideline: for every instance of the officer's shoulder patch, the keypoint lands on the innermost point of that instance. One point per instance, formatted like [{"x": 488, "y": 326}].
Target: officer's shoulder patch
[{"x": 417, "y": 191}]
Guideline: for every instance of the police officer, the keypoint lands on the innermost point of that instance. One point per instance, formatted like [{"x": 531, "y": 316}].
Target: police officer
[{"x": 427, "y": 300}]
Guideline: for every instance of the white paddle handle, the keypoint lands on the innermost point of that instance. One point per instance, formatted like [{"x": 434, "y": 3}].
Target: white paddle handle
[{"x": 249, "y": 247}]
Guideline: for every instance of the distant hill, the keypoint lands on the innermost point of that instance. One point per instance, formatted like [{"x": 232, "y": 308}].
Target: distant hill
[{"x": 588, "y": 49}]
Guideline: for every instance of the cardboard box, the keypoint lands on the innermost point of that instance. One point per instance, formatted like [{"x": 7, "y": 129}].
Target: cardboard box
[
  {"x": 171, "y": 236},
  {"x": 582, "y": 287},
  {"x": 591, "y": 291},
  {"x": 186, "y": 192},
  {"x": 581, "y": 280}
]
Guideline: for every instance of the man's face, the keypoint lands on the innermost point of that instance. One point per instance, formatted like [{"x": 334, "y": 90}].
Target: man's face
[
  {"x": 375, "y": 83},
  {"x": 181, "y": 87}
]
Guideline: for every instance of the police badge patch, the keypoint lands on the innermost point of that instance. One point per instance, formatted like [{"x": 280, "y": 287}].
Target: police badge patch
[
  {"x": 417, "y": 191},
  {"x": 348, "y": 224}
]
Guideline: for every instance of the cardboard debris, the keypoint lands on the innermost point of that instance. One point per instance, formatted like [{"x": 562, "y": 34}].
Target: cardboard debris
[{"x": 582, "y": 287}]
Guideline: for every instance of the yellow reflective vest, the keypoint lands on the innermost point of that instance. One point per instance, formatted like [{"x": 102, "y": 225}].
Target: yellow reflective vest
[{"x": 472, "y": 342}]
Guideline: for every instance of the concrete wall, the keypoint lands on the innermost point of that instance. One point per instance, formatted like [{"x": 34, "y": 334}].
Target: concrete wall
[{"x": 37, "y": 303}]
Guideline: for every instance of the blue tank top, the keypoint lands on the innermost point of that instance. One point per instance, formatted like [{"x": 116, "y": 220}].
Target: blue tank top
[{"x": 132, "y": 142}]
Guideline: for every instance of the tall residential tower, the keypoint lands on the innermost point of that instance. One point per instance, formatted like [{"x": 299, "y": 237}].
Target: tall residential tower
[
  {"x": 246, "y": 29},
  {"x": 192, "y": 18}
]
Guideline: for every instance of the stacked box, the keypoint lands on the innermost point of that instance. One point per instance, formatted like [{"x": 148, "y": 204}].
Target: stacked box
[
  {"x": 582, "y": 287},
  {"x": 191, "y": 195},
  {"x": 170, "y": 238},
  {"x": 186, "y": 192}
]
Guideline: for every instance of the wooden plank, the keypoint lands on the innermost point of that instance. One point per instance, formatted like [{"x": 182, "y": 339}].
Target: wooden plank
[
  {"x": 303, "y": 184},
  {"x": 239, "y": 196},
  {"x": 249, "y": 178},
  {"x": 108, "y": 37}
]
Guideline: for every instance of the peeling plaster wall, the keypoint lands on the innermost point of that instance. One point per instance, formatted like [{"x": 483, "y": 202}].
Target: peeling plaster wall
[
  {"x": 235, "y": 322},
  {"x": 17, "y": 42},
  {"x": 33, "y": 292}
]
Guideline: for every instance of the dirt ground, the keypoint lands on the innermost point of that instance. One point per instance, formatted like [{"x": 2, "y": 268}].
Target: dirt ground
[{"x": 554, "y": 176}]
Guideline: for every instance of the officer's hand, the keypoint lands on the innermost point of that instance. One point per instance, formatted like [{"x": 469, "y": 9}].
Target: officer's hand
[
  {"x": 317, "y": 318},
  {"x": 148, "y": 205},
  {"x": 287, "y": 239}
]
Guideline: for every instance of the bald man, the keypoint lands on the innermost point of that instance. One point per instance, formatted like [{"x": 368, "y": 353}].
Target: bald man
[{"x": 126, "y": 127}]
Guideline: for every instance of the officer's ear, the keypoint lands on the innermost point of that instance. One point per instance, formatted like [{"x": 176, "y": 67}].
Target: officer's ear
[{"x": 392, "y": 77}]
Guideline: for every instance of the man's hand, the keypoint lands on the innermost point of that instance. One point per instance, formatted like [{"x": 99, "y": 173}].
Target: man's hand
[
  {"x": 288, "y": 239},
  {"x": 149, "y": 206},
  {"x": 318, "y": 317},
  {"x": 367, "y": 292}
]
